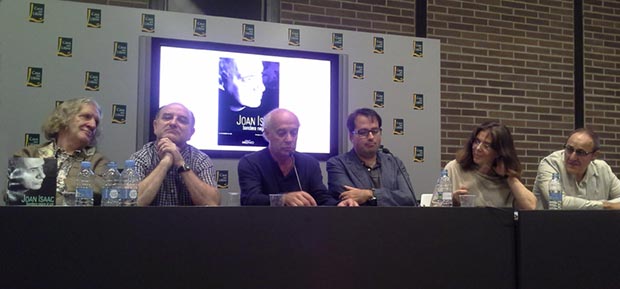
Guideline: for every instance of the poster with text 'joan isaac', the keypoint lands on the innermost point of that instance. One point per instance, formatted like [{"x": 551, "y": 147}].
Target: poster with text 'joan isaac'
[
  {"x": 31, "y": 182},
  {"x": 249, "y": 89}
]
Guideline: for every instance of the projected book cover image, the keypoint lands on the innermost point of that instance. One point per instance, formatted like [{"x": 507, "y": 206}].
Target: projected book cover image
[
  {"x": 31, "y": 182},
  {"x": 249, "y": 89},
  {"x": 230, "y": 88}
]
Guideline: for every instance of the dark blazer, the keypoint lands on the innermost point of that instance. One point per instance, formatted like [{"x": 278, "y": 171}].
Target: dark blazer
[{"x": 260, "y": 175}]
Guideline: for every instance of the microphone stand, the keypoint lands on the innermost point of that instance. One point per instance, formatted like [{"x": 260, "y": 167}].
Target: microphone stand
[
  {"x": 405, "y": 176},
  {"x": 296, "y": 174}
]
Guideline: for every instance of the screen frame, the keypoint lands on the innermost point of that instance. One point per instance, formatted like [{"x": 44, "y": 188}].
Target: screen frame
[{"x": 336, "y": 61}]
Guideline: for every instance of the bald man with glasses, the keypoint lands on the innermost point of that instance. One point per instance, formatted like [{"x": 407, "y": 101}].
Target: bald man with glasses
[
  {"x": 365, "y": 174},
  {"x": 588, "y": 183}
]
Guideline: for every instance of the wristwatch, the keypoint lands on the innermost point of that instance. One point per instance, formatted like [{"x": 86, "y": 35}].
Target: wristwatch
[
  {"x": 184, "y": 168},
  {"x": 373, "y": 200}
]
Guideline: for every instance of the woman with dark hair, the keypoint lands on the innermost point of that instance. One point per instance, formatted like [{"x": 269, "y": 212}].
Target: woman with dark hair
[{"x": 488, "y": 166}]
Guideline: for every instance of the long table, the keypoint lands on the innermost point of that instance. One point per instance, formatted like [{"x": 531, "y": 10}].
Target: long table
[
  {"x": 257, "y": 247},
  {"x": 569, "y": 249}
]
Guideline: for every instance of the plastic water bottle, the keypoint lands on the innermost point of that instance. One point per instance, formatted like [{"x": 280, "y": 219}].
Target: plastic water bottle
[
  {"x": 555, "y": 192},
  {"x": 110, "y": 194},
  {"x": 442, "y": 196},
  {"x": 437, "y": 198},
  {"x": 84, "y": 186},
  {"x": 130, "y": 180}
]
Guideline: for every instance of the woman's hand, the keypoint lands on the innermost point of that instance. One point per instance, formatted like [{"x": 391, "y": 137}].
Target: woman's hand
[{"x": 456, "y": 201}]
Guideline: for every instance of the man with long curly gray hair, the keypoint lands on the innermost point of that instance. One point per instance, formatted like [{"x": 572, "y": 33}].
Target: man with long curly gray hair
[{"x": 71, "y": 131}]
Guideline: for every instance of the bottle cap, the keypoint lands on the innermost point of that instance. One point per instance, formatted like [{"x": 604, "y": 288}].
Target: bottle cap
[{"x": 130, "y": 163}]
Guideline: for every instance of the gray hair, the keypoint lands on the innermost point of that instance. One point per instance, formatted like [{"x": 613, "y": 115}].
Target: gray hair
[
  {"x": 268, "y": 119},
  {"x": 64, "y": 113}
]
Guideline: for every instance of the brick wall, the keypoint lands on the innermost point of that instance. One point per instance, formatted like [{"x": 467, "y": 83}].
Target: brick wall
[
  {"x": 602, "y": 75},
  {"x": 507, "y": 61},
  {"x": 379, "y": 16},
  {"x": 510, "y": 61}
]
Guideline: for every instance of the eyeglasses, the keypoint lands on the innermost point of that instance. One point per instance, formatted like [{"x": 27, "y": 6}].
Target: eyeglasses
[
  {"x": 569, "y": 150},
  {"x": 483, "y": 145},
  {"x": 364, "y": 132}
]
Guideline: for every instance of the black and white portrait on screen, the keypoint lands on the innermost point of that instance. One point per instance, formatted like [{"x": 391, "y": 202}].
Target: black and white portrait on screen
[{"x": 249, "y": 88}]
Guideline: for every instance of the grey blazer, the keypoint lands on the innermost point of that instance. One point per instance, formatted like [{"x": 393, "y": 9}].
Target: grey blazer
[{"x": 347, "y": 169}]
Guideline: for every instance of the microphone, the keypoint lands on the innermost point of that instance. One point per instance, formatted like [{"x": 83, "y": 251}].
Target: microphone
[
  {"x": 295, "y": 168},
  {"x": 402, "y": 172}
]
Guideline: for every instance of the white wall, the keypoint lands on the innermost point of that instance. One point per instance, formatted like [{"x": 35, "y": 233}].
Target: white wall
[{"x": 24, "y": 44}]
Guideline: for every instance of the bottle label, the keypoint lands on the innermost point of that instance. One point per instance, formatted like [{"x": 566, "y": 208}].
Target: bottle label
[
  {"x": 555, "y": 200},
  {"x": 129, "y": 194},
  {"x": 86, "y": 193},
  {"x": 108, "y": 193},
  {"x": 113, "y": 193},
  {"x": 555, "y": 196}
]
